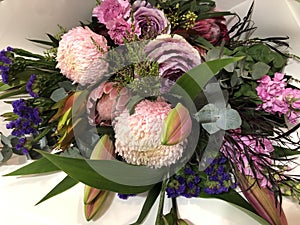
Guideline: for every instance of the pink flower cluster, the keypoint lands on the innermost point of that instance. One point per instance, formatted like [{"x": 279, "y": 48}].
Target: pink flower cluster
[
  {"x": 258, "y": 150},
  {"x": 279, "y": 99},
  {"x": 146, "y": 21}
]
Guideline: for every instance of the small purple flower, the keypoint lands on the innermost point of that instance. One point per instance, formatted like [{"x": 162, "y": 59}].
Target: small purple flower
[
  {"x": 186, "y": 184},
  {"x": 29, "y": 86},
  {"x": 5, "y": 61},
  {"x": 125, "y": 196},
  {"x": 27, "y": 121}
]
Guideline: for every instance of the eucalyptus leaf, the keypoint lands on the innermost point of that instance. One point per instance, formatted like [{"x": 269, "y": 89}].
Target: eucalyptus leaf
[
  {"x": 259, "y": 69},
  {"x": 229, "y": 120},
  {"x": 5, "y": 140},
  {"x": 58, "y": 94},
  {"x": 6, "y": 153}
]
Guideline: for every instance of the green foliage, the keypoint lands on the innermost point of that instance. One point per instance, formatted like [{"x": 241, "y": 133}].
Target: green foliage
[{"x": 214, "y": 119}]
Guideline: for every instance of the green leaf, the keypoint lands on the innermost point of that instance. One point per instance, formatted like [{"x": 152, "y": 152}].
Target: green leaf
[
  {"x": 259, "y": 69},
  {"x": 4, "y": 87},
  {"x": 12, "y": 92},
  {"x": 42, "y": 42},
  {"x": 25, "y": 53},
  {"x": 64, "y": 185},
  {"x": 40, "y": 166},
  {"x": 109, "y": 175},
  {"x": 193, "y": 81},
  {"x": 150, "y": 200},
  {"x": 284, "y": 152}
]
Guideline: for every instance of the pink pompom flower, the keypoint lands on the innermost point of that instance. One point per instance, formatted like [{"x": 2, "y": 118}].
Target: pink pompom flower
[
  {"x": 79, "y": 56},
  {"x": 138, "y": 135}
]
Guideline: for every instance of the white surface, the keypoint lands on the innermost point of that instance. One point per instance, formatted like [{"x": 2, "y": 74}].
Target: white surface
[{"x": 22, "y": 19}]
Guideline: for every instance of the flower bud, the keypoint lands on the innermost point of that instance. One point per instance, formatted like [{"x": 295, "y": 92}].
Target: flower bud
[
  {"x": 177, "y": 126},
  {"x": 93, "y": 197}
]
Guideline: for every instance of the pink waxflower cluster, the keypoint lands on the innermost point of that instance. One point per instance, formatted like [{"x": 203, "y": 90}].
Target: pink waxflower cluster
[
  {"x": 247, "y": 147},
  {"x": 279, "y": 99}
]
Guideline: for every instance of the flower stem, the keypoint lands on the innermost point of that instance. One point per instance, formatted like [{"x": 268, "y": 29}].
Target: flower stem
[{"x": 161, "y": 202}]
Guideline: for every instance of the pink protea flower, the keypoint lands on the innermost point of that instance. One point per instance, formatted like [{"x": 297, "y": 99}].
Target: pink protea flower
[
  {"x": 213, "y": 29},
  {"x": 78, "y": 56},
  {"x": 138, "y": 135},
  {"x": 258, "y": 151},
  {"x": 104, "y": 102}
]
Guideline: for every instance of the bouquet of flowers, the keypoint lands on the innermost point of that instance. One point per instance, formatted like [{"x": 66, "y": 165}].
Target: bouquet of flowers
[{"x": 158, "y": 97}]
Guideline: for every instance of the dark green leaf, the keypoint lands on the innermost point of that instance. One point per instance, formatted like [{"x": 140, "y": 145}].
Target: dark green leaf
[
  {"x": 42, "y": 42},
  {"x": 109, "y": 175},
  {"x": 25, "y": 53},
  {"x": 150, "y": 200},
  {"x": 64, "y": 185},
  {"x": 282, "y": 152},
  {"x": 40, "y": 166},
  {"x": 54, "y": 40}
]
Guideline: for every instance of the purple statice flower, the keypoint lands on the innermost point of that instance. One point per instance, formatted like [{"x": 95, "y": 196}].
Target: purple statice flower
[
  {"x": 5, "y": 62},
  {"x": 125, "y": 196},
  {"x": 219, "y": 179},
  {"x": 21, "y": 146},
  {"x": 29, "y": 86},
  {"x": 27, "y": 121},
  {"x": 186, "y": 183}
]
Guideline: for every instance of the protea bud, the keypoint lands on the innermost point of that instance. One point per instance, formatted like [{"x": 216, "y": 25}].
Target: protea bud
[
  {"x": 177, "y": 126},
  {"x": 93, "y": 197},
  {"x": 262, "y": 200}
]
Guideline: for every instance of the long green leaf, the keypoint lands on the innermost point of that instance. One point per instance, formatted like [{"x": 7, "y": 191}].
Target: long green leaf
[
  {"x": 282, "y": 152},
  {"x": 12, "y": 92},
  {"x": 119, "y": 177},
  {"x": 64, "y": 185},
  {"x": 150, "y": 200},
  {"x": 40, "y": 166},
  {"x": 193, "y": 81}
]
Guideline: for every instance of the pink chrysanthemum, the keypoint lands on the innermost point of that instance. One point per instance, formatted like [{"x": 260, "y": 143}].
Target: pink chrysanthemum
[
  {"x": 79, "y": 53},
  {"x": 138, "y": 135},
  {"x": 248, "y": 147}
]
